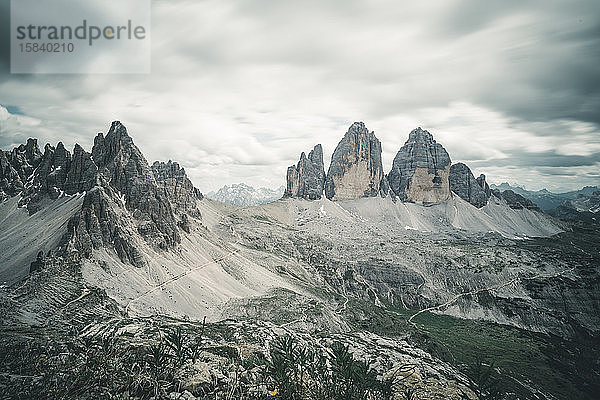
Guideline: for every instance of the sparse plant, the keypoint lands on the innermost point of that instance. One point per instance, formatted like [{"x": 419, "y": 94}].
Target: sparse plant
[
  {"x": 483, "y": 381},
  {"x": 175, "y": 341}
]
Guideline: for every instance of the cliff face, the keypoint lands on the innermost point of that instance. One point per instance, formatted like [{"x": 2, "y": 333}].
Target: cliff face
[
  {"x": 305, "y": 180},
  {"x": 127, "y": 172},
  {"x": 464, "y": 184},
  {"x": 355, "y": 170},
  {"x": 180, "y": 191},
  {"x": 420, "y": 170}
]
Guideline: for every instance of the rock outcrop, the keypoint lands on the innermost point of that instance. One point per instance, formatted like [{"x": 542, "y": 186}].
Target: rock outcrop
[
  {"x": 464, "y": 184},
  {"x": 51, "y": 174},
  {"x": 355, "y": 170},
  {"x": 176, "y": 185},
  {"x": 484, "y": 185},
  {"x": 515, "y": 200},
  {"x": 180, "y": 191},
  {"x": 17, "y": 168},
  {"x": 124, "y": 167},
  {"x": 102, "y": 223},
  {"x": 83, "y": 172},
  {"x": 420, "y": 170},
  {"x": 10, "y": 181},
  {"x": 306, "y": 179},
  {"x": 25, "y": 159}
]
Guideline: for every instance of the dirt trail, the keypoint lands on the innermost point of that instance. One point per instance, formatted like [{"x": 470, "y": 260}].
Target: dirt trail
[
  {"x": 177, "y": 277},
  {"x": 84, "y": 292},
  {"x": 490, "y": 288}
]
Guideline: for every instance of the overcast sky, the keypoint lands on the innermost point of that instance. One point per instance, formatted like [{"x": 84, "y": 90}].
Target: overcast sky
[{"x": 239, "y": 88}]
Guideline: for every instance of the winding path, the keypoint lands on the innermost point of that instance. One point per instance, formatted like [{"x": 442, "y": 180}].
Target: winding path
[
  {"x": 177, "y": 277},
  {"x": 84, "y": 292},
  {"x": 490, "y": 288}
]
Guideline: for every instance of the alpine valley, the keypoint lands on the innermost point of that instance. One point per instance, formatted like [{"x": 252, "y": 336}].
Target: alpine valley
[{"x": 120, "y": 280}]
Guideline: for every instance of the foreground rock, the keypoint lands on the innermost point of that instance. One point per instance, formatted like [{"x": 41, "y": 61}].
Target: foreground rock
[
  {"x": 355, "y": 170},
  {"x": 420, "y": 170},
  {"x": 305, "y": 180}
]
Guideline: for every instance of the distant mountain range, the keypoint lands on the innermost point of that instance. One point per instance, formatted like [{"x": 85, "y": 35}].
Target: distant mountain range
[
  {"x": 545, "y": 199},
  {"x": 582, "y": 204},
  {"x": 240, "y": 194}
]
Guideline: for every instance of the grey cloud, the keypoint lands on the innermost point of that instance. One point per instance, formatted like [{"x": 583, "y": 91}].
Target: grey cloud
[
  {"x": 250, "y": 84},
  {"x": 543, "y": 159}
]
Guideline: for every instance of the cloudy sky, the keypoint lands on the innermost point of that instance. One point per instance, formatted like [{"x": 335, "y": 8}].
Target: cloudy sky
[{"x": 239, "y": 88}]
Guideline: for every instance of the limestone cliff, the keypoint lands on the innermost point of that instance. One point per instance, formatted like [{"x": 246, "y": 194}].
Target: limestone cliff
[
  {"x": 305, "y": 180},
  {"x": 420, "y": 170},
  {"x": 464, "y": 184},
  {"x": 355, "y": 170}
]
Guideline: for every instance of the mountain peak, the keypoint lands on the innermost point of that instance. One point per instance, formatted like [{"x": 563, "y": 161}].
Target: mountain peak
[
  {"x": 242, "y": 194},
  {"x": 117, "y": 126},
  {"x": 306, "y": 179},
  {"x": 355, "y": 170},
  {"x": 420, "y": 170},
  {"x": 358, "y": 127},
  {"x": 420, "y": 135}
]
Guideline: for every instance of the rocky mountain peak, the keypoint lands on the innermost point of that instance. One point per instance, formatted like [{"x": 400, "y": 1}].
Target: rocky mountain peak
[
  {"x": 420, "y": 170},
  {"x": 355, "y": 170},
  {"x": 107, "y": 147},
  {"x": 463, "y": 183},
  {"x": 306, "y": 179},
  {"x": 484, "y": 185},
  {"x": 31, "y": 149},
  {"x": 421, "y": 136}
]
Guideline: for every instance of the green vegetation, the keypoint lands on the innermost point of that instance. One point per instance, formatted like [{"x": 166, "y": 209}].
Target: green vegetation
[
  {"x": 566, "y": 369},
  {"x": 297, "y": 371},
  {"x": 43, "y": 363}
]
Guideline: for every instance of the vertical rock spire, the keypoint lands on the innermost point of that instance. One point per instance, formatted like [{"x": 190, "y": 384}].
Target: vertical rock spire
[
  {"x": 306, "y": 179},
  {"x": 355, "y": 170},
  {"x": 420, "y": 170}
]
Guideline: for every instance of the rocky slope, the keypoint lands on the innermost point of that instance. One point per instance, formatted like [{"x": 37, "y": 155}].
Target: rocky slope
[
  {"x": 420, "y": 170},
  {"x": 306, "y": 179},
  {"x": 355, "y": 170}
]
